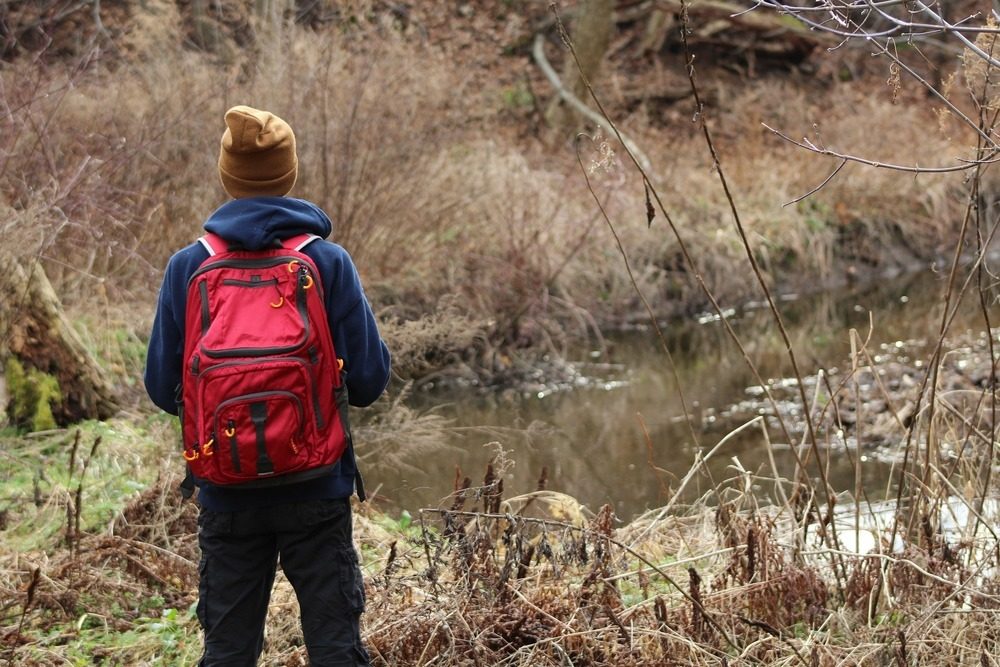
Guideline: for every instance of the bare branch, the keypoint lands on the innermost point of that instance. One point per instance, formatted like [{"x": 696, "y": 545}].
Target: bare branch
[
  {"x": 915, "y": 169},
  {"x": 538, "y": 52},
  {"x": 818, "y": 187}
]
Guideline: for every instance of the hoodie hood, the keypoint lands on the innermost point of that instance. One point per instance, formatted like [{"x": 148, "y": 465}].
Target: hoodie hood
[{"x": 256, "y": 223}]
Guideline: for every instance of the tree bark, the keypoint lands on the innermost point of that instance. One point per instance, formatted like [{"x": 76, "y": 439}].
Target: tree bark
[
  {"x": 659, "y": 23},
  {"x": 34, "y": 329},
  {"x": 591, "y": 35}
]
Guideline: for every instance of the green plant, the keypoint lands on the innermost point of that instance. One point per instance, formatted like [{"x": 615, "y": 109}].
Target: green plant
[
  {"x": 32, "y": 393},
  {"x": 518, "y": 97}
]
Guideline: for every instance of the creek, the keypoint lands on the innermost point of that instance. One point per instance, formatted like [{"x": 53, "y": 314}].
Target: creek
[{"x": 617, "y": 434}]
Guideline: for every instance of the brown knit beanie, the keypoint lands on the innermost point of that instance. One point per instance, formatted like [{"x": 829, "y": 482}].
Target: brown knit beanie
[{"x": 257, "y": 158}]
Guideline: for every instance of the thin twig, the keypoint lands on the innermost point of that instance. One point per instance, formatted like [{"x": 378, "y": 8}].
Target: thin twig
[
  {"x": 818, "y": 187},
  {"x": 682, "y": 246},
  {"x": 538, "y": 52}
]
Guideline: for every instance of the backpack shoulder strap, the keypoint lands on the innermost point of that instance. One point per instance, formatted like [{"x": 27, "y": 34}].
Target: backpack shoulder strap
[
  {"x": 214, "y": 244},
  {"x": 298, "y": 242}
]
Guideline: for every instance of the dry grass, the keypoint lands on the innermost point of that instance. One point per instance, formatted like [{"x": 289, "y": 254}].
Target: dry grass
[
  {"x": 474, "y": 246},
  {"x": 863, "y": 222},
  {"x": 536, "y": 579},
  {"x": 452, "y": 217}
]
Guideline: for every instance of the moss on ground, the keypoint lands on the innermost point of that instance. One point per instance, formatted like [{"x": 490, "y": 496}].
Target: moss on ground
[{"x": 32, "y": 394}]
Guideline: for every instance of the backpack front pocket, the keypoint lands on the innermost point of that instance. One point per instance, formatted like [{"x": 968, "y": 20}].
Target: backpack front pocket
[
  {"x": 259, "y": 435},
  {"x": 258, "y": 417}
]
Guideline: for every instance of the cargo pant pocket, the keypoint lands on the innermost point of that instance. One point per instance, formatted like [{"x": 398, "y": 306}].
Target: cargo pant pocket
[{"x": 352, "y": 581}]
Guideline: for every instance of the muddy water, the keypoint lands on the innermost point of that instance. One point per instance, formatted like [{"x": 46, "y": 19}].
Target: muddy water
[{"x": 620, "y": 436}]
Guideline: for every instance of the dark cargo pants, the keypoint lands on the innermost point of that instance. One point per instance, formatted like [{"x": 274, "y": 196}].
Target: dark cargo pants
[{"x": 239, "y": 554}]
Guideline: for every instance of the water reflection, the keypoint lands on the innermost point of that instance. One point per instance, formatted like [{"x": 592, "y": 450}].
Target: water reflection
[{"x": 624, "y": 439}]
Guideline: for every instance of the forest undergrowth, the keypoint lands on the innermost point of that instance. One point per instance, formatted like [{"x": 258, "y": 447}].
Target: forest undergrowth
[
  {"x": 487, "y": 240},
  {"x": 759, "y": 569},
  {"x": 468, "y": 217}
]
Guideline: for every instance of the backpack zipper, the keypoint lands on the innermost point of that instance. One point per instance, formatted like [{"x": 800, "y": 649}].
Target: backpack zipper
[
  {"x": 234, "y": 453},
  {"x": 261, "y": 263},
  {"x": 306, "y": 366},
  {"x": 273, "y": 282}
]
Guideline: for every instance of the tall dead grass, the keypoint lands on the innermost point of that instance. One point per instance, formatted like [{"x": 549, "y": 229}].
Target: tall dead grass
[
  {"x": 454, "y": 224},
  {"x": 865, "y": 222},
  {"x": 109, "y": 167},
  {"x": 487, "y": 577}
]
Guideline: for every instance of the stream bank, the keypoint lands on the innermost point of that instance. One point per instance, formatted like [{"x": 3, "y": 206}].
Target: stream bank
[{"x": 613, "y": 428}]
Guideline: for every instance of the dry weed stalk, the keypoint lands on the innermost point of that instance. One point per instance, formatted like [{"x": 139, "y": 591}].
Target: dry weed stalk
[
  {"x": 501, "y": 587},
  {"x": 534, "y": 590},
  {"x": 923, "y": 494},
  {"x": 29, "y": 596}
]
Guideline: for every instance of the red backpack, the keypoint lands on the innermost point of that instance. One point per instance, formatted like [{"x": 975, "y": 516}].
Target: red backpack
[{"x": 263, "y": 399}]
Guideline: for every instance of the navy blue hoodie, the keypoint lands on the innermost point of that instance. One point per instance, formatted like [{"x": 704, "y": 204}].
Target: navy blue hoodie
[{"x": 256, "y": 223}]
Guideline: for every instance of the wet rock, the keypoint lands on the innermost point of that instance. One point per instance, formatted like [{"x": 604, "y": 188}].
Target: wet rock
[
  {"x": 884, "y": 429},
  {"x": 979, "y": 376},
  {"x": 876, "y": 407}
]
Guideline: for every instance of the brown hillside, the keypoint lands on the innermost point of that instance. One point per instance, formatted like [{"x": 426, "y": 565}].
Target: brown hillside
[{"x": 491, "y": 38}]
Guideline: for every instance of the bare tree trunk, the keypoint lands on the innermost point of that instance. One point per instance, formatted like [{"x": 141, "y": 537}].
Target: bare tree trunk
[
  {"x": 204, "y": 31},
  {"x": 659, "y": 23},
  {"x": 591, "y": 35},
  {"x": 34, "y": 330}
]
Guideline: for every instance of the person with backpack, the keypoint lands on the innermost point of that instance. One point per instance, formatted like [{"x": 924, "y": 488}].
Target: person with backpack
[{"x": 262, "y": 337}]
